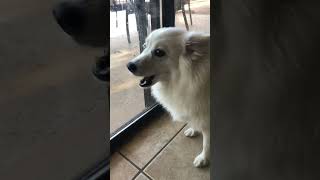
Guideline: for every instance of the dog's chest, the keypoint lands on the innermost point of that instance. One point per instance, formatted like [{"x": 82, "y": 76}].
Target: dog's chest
[{"x": 173, "y": 100}]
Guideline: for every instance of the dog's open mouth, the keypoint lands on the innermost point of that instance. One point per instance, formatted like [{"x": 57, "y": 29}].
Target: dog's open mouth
[{"x": 147, "y": 81}]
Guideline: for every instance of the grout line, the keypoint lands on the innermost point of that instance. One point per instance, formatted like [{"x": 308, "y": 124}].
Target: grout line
[
  {"x": 141, "y": 170},
  {"x": 136, "y": 175},
  {"x": 129, "y": 160},
  {"x": 147, "y": 175},
  {"x": 163, "y": 148}
]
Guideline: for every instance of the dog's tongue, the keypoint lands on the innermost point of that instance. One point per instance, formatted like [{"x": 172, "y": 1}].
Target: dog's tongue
[{"x": 146, "y": 81}]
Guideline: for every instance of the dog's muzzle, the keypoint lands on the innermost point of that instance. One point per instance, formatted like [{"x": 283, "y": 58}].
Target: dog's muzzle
[{"x": 146, "y": 81}]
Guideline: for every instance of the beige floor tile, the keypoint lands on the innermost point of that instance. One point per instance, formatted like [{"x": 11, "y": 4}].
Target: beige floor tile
[
  {"x": 142, "y": 177},
  {"x": 150, "y": 140},
  {"x": 121, "y": 169},
  {"x": 175, "y": 162}
]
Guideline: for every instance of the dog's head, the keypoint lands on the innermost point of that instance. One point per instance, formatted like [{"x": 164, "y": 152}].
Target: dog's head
[
  {"x": 166, "y": 51},
  {"x": 86, "y": 21}
]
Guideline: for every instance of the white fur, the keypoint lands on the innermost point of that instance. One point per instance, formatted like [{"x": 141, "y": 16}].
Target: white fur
[{"x": 183, "y": 80}]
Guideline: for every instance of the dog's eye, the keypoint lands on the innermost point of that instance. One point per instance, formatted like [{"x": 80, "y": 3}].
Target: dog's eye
[
  {"x": 144, "y": 45},
  {"x": 159, "y": 52}
]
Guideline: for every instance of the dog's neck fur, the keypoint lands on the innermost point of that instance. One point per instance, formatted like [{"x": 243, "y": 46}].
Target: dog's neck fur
[{"x": 169, "y": 92}]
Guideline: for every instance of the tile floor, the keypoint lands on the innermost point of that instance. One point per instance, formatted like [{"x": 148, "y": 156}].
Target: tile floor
[{"x": 159, "y": 152}]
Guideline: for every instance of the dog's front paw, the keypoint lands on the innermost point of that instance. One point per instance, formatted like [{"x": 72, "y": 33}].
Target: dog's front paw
[
  {"x": 201, "y": 161},
  {"x": 190, "y": 132}
]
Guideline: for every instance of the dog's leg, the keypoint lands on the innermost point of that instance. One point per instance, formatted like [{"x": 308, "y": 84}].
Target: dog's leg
[
  {"x": 203, "y": 158},
  {"x": 191, "y": 132}
]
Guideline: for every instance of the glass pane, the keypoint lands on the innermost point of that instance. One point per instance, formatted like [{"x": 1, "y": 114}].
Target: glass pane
[
  {"x": 53, "y": 111},
  {"x": 198, "y": 19},
  {"x": 126, "y": 96}
]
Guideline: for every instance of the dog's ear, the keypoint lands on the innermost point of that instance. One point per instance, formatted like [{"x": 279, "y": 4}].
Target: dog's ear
[{"x": 197, "y": 45}]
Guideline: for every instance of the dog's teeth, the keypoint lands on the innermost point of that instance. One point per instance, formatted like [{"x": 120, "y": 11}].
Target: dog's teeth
[
  {"x": 146, "y": 81},
  {"x": 143, "y": 82}
]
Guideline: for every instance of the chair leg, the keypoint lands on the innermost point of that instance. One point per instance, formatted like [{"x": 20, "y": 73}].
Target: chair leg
[
  {"x": 184, "y": 15},
  {"x": 127, "y": 26},
  {"x": 116, "y": 19},
  {"x": 189, "y": 12}
]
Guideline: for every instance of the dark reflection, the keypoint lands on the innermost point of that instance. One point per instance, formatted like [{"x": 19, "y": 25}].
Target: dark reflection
[
  {"x": 85, "y": 21},
  {"x": 101, "y": 68},
  {"x": 53, "y": 118}
]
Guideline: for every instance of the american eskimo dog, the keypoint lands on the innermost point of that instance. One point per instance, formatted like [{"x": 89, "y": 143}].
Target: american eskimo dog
[{"x": 176, "y": 65}]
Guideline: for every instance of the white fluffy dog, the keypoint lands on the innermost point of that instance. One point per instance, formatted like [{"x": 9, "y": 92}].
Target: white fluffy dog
[{"x": 176, "y": 64}]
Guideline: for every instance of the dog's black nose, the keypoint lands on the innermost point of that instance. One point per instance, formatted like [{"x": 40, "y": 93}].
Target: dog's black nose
[
  {"x": 70, "y": 17},
  {"x": 132, "y": 67}
]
